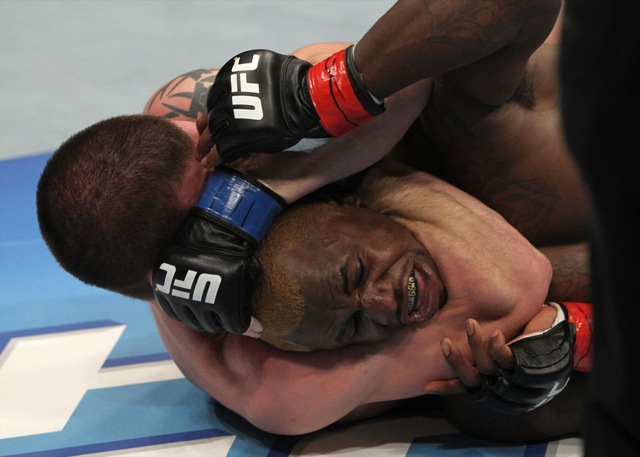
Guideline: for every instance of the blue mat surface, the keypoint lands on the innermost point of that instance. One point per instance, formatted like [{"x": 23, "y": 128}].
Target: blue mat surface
[{"x": 84, "y": 372}]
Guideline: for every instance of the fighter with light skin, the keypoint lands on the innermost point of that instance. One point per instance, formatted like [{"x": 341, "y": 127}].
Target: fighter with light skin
[
  {"x": 253, "y": 366},
  {"x": 279, "y": 390}
]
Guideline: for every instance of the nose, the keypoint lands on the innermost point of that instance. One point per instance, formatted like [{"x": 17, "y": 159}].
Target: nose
[{"x": 379, "y": 303}]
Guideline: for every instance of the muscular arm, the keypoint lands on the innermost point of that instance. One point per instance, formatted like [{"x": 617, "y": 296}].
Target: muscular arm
[
  {"x": 482, "y": 46},
  {"x": 293, "y": 393},
  {"x": 293, "y": 175},
  {"x": 184, "y": 97},
  {"x": 571, "y": 273}
]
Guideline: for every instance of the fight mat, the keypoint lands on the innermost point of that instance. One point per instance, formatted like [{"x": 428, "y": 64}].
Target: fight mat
[{"x": 84, "y": 372}]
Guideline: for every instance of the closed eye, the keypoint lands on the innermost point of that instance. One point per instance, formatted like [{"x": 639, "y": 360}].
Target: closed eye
[{"x": 360, "y": 276}]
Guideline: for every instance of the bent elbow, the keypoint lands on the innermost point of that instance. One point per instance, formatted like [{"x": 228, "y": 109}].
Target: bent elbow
[
  {"x": 280, "y": 421},
  {"x": 283, "y": 415}
]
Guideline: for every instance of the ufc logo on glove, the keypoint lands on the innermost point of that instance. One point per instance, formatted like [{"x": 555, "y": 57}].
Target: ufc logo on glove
[
  {"x": 239, "y": 83},
  {"x": 183, "y": 288},
  {"x": 203, "y": 276}
]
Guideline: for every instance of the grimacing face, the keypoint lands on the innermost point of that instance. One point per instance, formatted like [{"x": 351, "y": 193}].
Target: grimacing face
[{"x": 362, "y": 276}]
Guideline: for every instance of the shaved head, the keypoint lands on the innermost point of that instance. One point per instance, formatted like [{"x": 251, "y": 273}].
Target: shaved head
[{"x": 277, "y": 300}]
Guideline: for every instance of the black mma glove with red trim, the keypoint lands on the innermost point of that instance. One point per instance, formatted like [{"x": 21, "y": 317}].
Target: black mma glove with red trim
[
  {"x": 543, "y": 363},
  {"x": 204, "y": 277},
  {"x": 262, "y": 101}
]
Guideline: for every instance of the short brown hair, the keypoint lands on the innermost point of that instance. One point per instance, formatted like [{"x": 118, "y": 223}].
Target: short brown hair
[{"x": 107, "y": 200}]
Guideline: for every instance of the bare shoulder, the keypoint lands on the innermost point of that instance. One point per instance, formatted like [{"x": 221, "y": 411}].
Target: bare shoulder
[{"x": 183, "y": 97}]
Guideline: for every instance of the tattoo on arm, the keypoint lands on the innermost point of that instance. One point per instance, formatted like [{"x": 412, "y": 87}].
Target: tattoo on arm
[{"x": 184, "y": 96}]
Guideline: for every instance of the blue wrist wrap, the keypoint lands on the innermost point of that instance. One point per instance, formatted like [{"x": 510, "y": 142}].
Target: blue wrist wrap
[{"x": 243, "y": 202}]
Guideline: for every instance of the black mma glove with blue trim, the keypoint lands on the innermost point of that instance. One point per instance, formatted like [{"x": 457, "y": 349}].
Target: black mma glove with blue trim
[{"x": 204, "y": 277}]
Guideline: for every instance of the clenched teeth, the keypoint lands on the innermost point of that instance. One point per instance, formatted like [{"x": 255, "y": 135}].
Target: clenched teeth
[{"x": 412, "y": 293}]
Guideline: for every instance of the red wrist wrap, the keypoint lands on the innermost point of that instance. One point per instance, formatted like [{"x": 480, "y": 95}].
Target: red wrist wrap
[
  {"x": 581, "y": 315},
  {"x": 334, "y": 97}
]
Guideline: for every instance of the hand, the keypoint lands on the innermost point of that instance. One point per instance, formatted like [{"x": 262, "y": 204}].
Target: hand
[
  {"x": 517, "y": 377},
  {"x": 262, "y": 101},
  {"x": 203, "y": 278},
  {"x": 488, "y": 354}
]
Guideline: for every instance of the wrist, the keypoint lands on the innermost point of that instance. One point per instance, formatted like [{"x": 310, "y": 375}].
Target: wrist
[
  {"x": 242, "y": 201},
  {"x": 339, "y": 94},
  {"x": 581, "y": 316},
  {"x": 290, "y": 176}
]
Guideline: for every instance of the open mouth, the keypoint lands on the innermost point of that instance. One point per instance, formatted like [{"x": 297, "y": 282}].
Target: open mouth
[{"x": 424, "y": 295}]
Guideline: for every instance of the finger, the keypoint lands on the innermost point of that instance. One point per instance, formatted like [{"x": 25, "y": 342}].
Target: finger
[
  {"x": 463, "y": 369},
  {"x": 202, "y": 120},
  {"x": 481, "y": 355},
  {"x": 211, "y": 160},
  {"x": 500, "y": 351},
  {"x": 255, "y": 328},
  {"x": 445, "y": 387}
]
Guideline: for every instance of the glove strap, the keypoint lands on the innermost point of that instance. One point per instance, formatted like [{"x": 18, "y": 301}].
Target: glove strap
[
  {"x": 242, "y": 201},
  {"x": 581, "y": 315},
  {"x": 339, "y": 94}
]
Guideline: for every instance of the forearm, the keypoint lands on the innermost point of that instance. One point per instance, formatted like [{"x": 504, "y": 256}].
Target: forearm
[
  {"x": 571, "y": 279},
  {"x": 420, "y": 38},
  {"x": 294, "y": 175},
  {"x": 183, "y": 97},
  {"x": 274, "y": 390},
  {"x": 293, "y": 393}
]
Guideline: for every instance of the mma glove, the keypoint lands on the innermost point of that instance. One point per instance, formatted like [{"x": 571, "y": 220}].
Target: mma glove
[
  {"x": 204, "y": 277},
  {"x": 543, "y": 363},
  {"x": 262, "y": 101}
]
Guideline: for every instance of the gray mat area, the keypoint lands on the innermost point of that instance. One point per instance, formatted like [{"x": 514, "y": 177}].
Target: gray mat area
[{"x": 67, "y": 64}]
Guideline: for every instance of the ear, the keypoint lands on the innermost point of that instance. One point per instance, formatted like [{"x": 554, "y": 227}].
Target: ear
[{"x": 350, "y": 200}]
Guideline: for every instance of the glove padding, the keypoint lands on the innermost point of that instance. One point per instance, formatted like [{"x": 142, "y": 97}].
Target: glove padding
[
  {"x": 204, "y": 277},
  {"x": 543, "y": 366},
  {"x": 262, "y": 101},
  {"x": 259, "y": 103}
]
